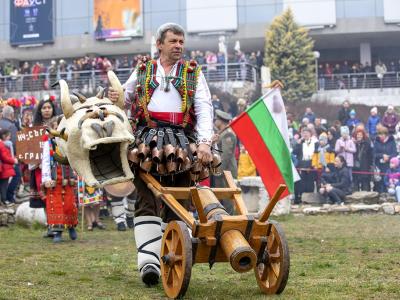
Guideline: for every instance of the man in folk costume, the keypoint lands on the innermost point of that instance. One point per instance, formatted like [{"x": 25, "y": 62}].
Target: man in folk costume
[{"x": 171, "y": 100}]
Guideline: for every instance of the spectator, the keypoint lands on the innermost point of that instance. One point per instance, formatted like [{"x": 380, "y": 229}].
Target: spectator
[
  {"x": 309, "y": 114},
  {"x": 337, "y": 185},
  {"x": 246, "y": 165},
  {"x": 353, "y": 121},
  {"x": 373, "y": 121},
  {"x": 362, "y": 161},
  {"x": 390, "y": 119},
  {"x": 260, "y": 59},
  {"x": 52, "y": 70},
  {"x": 392, "y": 178},
  {"x": 384, "y": 150},
  {"x": 380, "y": 70},
  {"x": 323, "y": 156},
  {"x": 344, "y": 113},
  {"x": 345, "y": 147},
  {"x": 216, "y": 103},
  {"x": 7, "y": 165},
  {"x": 332, "y": 137},
  {"x": 7, "y": 122},
  {"x": 304, "y": 151},
  {"x": 241, "y": 105}
]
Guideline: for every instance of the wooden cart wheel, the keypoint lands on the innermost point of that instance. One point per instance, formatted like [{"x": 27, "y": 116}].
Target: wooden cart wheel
[
  {"x": 273, "y": 272},
  {"x": 176, "y": 259}
]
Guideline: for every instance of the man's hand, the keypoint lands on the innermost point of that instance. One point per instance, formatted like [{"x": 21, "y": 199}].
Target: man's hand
[
  {"x": 328, "y": 188},
  {"x": 113, "y": 95},
  {"x": 204, "y": 153}
]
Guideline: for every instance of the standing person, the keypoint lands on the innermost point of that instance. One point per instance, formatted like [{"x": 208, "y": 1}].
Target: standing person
[
  {"x": 384, "y": 150},
  {"x": 304, "y": 151},
  {"x": 7, "y": 162},
  {"x": 166, "y": 103},
  {"x": 346, "y": 148},
  {"x": 227, "y": 144},
  {"x": 373, "y": 121},
  {"x": 8, "y": 122},
  {"x": 344, "y": 112},
  {"x": 309, "y": 114},
  {"x": 216, "y": 103},
  {"x": 353, "y": 121},
  {"x": 362, "y": 161},
  {"x": 390, "y": 119},
  {"x": 59, "y": 188},
  {"x": 44, "y": 112},
  {"x": 246, "y": 166},
  {"x": 323, "y": 157}
]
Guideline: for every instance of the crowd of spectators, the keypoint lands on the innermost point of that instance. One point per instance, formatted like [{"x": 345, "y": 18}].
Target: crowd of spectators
[
  {"x": 40, "y": 75},
  {"x": 357, "y": 75},
  {"x": 347, "y": 155}
]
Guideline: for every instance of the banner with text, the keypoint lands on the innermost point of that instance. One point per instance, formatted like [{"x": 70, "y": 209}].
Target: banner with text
[
  {"x": 118, "y": 18},
  {"x": 31, "y": 22}
]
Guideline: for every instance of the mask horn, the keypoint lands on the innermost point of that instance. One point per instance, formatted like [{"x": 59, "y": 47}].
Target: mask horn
[
  {"x": 116, "y": 85},
  {"x": 66, "y": 103},
  {"x": 100, "y": 94},
  {"x": 80, "y": 97}
]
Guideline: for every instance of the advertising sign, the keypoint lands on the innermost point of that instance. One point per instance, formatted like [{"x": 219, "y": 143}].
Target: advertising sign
[
  {"x": 31, "y": 22},
  {"x": 118, "y": 18}
]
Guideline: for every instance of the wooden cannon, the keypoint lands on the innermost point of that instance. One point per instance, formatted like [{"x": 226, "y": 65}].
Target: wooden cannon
[{"x": 245, "y": 241}]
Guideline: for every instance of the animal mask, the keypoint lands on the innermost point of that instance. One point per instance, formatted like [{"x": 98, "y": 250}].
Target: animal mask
[{"x": 95, "y": 134}]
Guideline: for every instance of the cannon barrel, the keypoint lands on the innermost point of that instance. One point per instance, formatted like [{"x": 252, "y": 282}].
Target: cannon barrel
[{"x": 236, "y": 248}]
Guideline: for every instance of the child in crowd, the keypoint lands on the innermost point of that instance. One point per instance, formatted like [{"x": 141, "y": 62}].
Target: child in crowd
[
  {"x": 392, "y": 178},
  {"x": 6, "y": 165},
  {"x": 373, "y": 121},
  {"x": 323, "y": 157},
  {"x": 353, "y": 121}
]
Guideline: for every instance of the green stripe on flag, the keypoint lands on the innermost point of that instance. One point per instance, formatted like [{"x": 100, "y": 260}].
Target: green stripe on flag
[{"x": 273, "y": 139}]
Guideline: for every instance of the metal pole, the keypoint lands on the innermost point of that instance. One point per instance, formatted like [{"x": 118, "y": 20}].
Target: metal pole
[
  {"x": 226, "y": 69},
  {"x": 316, "y": 73}
]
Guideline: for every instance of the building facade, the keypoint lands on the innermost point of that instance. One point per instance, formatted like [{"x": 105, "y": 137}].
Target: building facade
[{"x": 355, "y": 30}]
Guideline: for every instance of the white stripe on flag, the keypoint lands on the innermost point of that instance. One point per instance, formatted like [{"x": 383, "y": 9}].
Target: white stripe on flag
[{"x": 274, "y": 102}]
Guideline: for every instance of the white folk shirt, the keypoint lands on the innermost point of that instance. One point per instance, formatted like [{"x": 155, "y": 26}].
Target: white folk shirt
[{"x": 171, "y": 101}]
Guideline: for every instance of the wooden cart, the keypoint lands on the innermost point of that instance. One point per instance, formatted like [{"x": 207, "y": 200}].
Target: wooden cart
[{"x": 246, "y": 241}]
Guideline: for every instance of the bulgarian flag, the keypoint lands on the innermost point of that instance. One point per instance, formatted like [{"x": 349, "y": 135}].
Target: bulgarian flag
[{"x": 263, "y": 131}]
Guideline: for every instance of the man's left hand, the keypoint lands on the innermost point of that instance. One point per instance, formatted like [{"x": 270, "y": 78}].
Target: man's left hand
[{"x": 204, "y": 153}]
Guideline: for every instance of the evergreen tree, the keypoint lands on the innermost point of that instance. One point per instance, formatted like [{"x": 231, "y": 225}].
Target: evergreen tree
[{"x": 289, "y": 55}]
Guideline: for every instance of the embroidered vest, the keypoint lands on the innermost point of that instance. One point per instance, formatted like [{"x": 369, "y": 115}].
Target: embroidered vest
[{"x": 185, "y": 82}]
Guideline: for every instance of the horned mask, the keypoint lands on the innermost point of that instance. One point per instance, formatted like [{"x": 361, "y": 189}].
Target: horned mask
[{"x": 95, "y": 134}]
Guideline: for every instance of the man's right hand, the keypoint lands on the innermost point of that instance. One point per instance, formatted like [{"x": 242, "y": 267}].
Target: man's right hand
[{"x": 113, "y": 94}]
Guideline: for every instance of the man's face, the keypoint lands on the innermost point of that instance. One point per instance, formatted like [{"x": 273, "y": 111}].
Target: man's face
[{"x": 172, "y": 46}]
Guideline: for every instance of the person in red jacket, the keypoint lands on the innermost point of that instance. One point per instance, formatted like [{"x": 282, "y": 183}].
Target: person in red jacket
[{"x": 7, "y": 163}]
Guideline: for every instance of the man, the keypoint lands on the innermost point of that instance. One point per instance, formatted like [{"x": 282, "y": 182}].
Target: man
[
  {"x": 8, "y": 122},
  {"x": 216, "y": 103},
  {"x": 344, "y": 113},
  {"x": 227, "y": 144},
  {"x": 166, "y": 103},
  {"x": 309, "y": 114}
]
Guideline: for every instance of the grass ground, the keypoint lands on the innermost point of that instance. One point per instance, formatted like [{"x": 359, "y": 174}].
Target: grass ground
[{"x": 332, "y": 257}]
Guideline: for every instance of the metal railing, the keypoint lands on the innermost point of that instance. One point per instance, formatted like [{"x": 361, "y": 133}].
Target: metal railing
[
  {"x": 358, "y": 81},
  {"x": 87, "y": 81}
]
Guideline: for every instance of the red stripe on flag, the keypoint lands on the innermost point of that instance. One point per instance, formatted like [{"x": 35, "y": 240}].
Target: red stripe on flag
[{"x": 261, "y": 156}]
